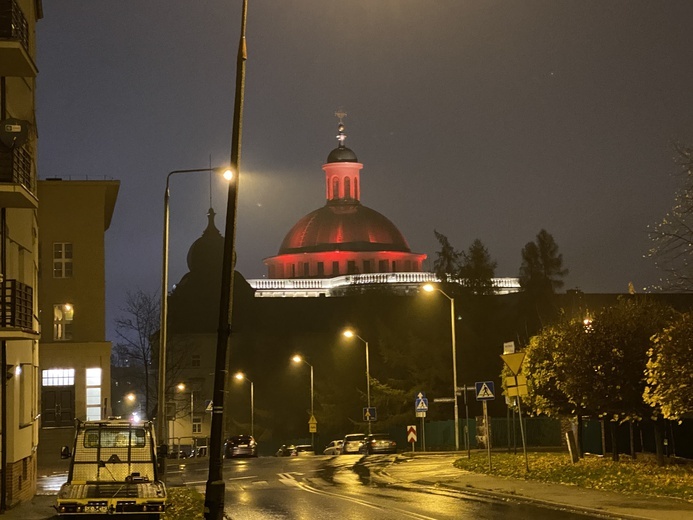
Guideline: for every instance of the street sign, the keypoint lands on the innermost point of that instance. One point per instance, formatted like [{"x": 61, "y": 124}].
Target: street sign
[
  {"x": 509, "y": 347},
  {"x": 485, "y": 391},
  {"x": 421, "y": 403},
  {"x": 411, "y": 433},
  {"x": 514, "y": 361},
  {"x": 208, "y": 405},
  {"x": 370, "y": 414},
  {"x": 421, "y": 414},
  {"x": 444, "y": 400},
  {"x": 312, "y": 425},
  {"x": 516, "y": 385}
]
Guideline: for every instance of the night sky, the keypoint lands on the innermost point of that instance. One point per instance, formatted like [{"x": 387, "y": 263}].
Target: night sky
[{"x": 479, "y": 119}]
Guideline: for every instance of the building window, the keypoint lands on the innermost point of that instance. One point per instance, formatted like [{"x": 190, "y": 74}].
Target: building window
[
  {"x": 93, "y": 394},
  {"x": 335, "y": 188},
  {"x": 197, "y": 425},
  {"x": 321, "y": 269},
  {"x": 58, "y": 377},
  {"x": 394, "y": 266},
  {"x": 367, "y": 266},
  {"x": 306, "y": 269},
  {"x": 407, "y": 265},
  {"x": 25, "y": 374},
  {"x": 62, "y": 321},
  {"x": 356, "y": 188},
  {"x": 195, "y": 361},
  {"x": 347, "y": 188},
  {"x": 293, "y": 270},
  {"x": 382, "y": 266},
  {"x": 335, "y": 268},
  {"x": 351, "y": 267},
  {"x": 62, "y": 260}
]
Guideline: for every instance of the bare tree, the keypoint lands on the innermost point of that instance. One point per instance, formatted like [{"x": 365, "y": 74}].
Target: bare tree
[
  {"x": 672, "y": 238},
  {"x": 135, "y": 329}
]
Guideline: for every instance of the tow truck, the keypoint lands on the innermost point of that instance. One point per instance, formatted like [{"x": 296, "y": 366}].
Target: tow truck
[{"x": 113, "y": 470}]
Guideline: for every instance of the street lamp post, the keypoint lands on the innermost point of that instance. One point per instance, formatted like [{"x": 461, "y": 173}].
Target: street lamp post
[
  {"x": 215, "y": 487},
  {"x": 298, "y": 359},
  {"x": 431, "y": 288},
  {"x": 351, "y": 334},
  {"x": 163, "y": 324},
  {"x": 241, "y": 376}
]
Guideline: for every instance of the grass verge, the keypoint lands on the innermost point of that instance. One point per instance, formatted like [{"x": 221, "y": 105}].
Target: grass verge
[
  {"x": 641, "y": 477},
  {"x": 184, "y": 504}
]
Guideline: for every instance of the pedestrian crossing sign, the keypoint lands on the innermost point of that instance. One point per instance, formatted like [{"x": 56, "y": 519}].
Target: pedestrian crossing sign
[{"x": 484, "y": 391}]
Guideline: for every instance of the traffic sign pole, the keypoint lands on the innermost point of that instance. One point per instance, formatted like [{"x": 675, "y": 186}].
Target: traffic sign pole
[
  {"x": 488, "y": 435},
  {"x": 522, "y": 432}
]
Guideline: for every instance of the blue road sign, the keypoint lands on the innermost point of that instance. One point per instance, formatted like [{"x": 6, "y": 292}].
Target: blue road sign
[
  {"x": 370, "y": 414},
  {"x": 484, "y": 391},
  {"x": 421, "y": 403}
]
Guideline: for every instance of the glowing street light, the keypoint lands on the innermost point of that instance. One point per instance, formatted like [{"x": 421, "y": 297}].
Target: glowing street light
[
  {"x": 241, "y": 376},
  {"x": 348, "y": 333},
  {"x": 163, "y": 325},
  {"x": 430, "y": 288},
  {"x": 299, "y": 359}
]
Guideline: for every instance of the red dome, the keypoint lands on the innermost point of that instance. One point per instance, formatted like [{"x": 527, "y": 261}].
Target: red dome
[{"x": 340, "y": 226}]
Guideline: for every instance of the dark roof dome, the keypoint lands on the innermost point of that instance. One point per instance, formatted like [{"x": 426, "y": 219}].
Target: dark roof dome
[
  {"x": 344, "y": 227},
  {"x": 208, "y": 248},
  {"x": 342, "y": 154}
]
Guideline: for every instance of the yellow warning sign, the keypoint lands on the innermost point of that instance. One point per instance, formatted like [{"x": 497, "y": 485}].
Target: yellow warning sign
[{"x": 514, "y": 361}]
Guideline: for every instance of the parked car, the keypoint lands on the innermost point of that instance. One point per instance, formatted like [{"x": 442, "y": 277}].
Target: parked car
[
  {"x": 333, "y": 448},
  {"x": 305, "y": 449},
  {"x": 240, "y": 446},
  {"x": 380, "y": 443},
  {"x": 354, "y": 443},
  {"x": 286, "y": 451}
]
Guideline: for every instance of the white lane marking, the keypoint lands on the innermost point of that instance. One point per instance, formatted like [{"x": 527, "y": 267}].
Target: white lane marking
[{"x": 310, "y": 489}]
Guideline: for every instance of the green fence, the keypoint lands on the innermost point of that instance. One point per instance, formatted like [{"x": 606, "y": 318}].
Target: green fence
[{"x": 505, "y": 433}]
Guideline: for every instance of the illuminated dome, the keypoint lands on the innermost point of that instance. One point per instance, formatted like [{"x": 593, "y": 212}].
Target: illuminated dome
[
  {"x": 343, "y": 237},
  {"x": 345, "y": 227}
]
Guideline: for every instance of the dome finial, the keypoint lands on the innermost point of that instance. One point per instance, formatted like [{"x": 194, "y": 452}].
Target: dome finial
[{"x": 341, "y": 136}]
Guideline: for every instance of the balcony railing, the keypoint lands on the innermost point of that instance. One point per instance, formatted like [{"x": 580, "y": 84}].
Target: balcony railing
[
  {"x": 17, "y": 306},
  {"x": 15, "y": 166},
  {"x": 13, "y": 24}
]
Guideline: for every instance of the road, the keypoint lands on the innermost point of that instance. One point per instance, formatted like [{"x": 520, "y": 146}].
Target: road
[{"x": 314, "y": 487}]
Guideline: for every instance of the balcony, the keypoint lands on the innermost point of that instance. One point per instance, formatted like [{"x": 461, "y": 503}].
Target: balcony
[
  {"x": 15, "y": 57},
  {"x": 17, "y": 311},
  {"x": 17, "y": 188}
]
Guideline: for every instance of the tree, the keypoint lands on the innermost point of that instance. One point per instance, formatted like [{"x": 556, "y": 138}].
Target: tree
[
  {"x": 477, "y": 269},
  {"x": 672, "y": 238},
  {"x": 669, "y": 376},
  {"x": 448, "y": 260},
  {"x": 134, "y": 329},
  {"x": 542, "y": 265}
]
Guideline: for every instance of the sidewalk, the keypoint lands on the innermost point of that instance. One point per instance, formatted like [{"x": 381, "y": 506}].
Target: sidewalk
[{"x": 419, "y": 470}]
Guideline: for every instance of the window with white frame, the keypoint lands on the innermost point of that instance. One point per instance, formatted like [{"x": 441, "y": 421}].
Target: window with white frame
[
  {"x": 62, "y": 260},
  {"x": 63, "y": 314},
  {"x": 197, "y": 425},
  {"x": 93, "y": 394},
  {"x": 58, "y": 377}
]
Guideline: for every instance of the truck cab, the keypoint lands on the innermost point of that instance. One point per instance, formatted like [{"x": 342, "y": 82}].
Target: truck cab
[{"x": 113, "y": 470}]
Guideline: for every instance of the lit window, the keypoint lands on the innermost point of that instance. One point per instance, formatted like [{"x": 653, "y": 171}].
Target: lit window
[
  {"x": 62, "y": 260},
  {"x": 93, "y": 378},
  {"x": 62, "y": 321},
  {"x": 58, "y": 377}
]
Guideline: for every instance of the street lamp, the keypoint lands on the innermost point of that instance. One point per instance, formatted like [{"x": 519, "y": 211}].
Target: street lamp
[
  {"x": 161, "y": 408},
  {"x": 241, "y": 376},
  {"x": 348, "y": 333},
  {"x": 430, "y": 288},
  {"x": 299, "y": 359}
]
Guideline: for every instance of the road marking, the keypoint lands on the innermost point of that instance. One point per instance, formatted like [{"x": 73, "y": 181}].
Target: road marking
[{"x": 310, "y": 489}]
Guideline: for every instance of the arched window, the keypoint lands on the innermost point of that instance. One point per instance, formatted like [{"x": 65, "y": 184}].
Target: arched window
[
  {"x": 335, "y": 188},
  {"x": 356, "y": 188},
  {"x": 347, "y": 188}
]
